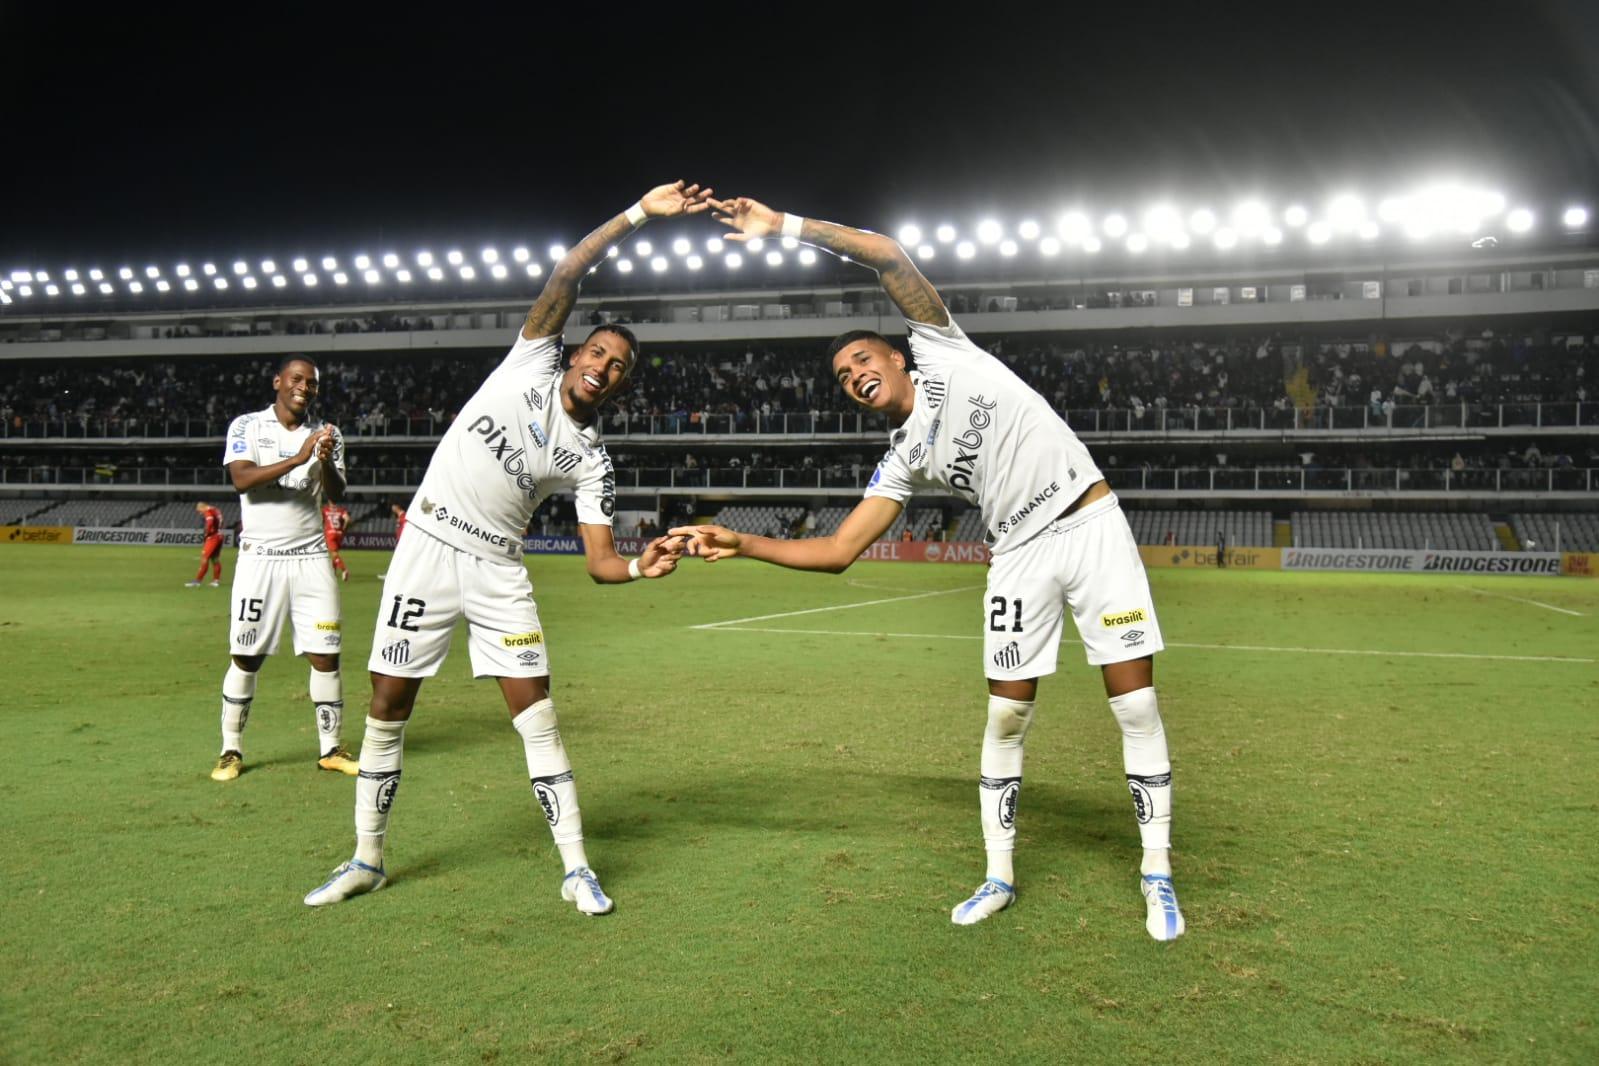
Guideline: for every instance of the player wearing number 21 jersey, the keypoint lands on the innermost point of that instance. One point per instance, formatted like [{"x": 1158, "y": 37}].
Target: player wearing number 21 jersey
[
  {"x": 965, "y": 424},
  {"x": 531, "y": 429}
]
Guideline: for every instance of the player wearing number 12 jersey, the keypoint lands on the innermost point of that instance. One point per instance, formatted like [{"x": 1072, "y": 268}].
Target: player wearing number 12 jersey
[
  {"x": 964, "y": 423},
  {"x": 530, "y": 430}
]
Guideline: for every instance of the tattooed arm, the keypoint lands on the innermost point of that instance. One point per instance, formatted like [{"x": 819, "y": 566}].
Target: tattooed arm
[
  {"x": 547, "y": 317},
  {"x": 913, "y": 294}
]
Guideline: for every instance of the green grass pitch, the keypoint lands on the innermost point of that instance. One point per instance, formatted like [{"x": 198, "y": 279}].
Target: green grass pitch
[{"x": 1382, "y": 857}]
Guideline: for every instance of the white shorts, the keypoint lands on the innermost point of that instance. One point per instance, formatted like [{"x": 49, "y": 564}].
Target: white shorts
[
  {"x": 268, "y": 588},
  {"x": 431, "y": 585},
  {"x": 1087, "y": 561}
]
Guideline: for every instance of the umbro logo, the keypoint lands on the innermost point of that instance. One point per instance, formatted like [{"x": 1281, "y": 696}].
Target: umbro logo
[
  {"x": 916, "y": 454},
  {"x": 1133, "y": 636},
  {"x": 533, "y": 400}
]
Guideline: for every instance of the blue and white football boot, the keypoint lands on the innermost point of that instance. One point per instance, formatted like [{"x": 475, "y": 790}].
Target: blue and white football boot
[
  {"x": 1163, "y": 920},
  {"x": 583, "y": 888},
  {"x": 352, "y": 878},
  {"x": 991, "y": 897}
]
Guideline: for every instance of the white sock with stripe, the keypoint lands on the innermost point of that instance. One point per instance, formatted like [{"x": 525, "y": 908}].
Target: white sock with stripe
[
  {"x": 238, "y": 690},
  {"x": 327, "y": 692},
  {"x": 551, "y": 774},
  {"x": 1001, "y": 782},
  {"x": 1148, "y": 767},
  {"x": 382, "y": 752}
]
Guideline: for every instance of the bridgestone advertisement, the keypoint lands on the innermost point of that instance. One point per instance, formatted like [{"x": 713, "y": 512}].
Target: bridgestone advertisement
[
  {"x": 178, "y": 538},
  {"x": 1399, "y": 560}
]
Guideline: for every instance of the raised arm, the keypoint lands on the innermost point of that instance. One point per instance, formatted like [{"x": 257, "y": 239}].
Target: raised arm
[
  {"x": 913, "y": 294},
  {"x": 547, "y": 316},
  {"x": 869, "y": 520}
]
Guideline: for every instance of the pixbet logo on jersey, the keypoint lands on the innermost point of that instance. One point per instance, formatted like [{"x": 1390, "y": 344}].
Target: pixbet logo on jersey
[
  {"x": 969, "y": 442},
  {"x": 505, "y": 452}
]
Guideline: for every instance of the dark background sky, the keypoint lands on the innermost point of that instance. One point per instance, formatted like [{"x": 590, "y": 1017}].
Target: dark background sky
[{"x": 209, "y": 131}]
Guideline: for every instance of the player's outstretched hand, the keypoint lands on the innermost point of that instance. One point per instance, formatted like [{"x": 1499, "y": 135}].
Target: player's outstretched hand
[
  {"x": 709, "y": 542},
  {"x": 678, "y": 198},
  {"x": 661, "y": 556},
  {"x": 748, "y": 219}
]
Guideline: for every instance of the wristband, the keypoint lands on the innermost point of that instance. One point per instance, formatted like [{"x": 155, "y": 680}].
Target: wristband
[
  {"x": 633, "y": 572},
  {"x": 636, "y": 215},
  {"x": 792, "y": 225}
]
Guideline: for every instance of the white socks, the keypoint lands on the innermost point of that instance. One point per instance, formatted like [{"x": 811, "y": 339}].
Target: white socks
[
  {"x": 1148, "y": 767},
  {"x": 1001, "y": 781},
  {"x": 382, "y": 750},
  {"x": 238, "y": 689},
  {"x": 551, "y": 775},
  {"x": 327, "y": 692}
]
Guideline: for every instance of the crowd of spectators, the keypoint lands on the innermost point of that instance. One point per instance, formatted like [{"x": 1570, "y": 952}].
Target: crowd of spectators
[{"x": 735, "y": 387}]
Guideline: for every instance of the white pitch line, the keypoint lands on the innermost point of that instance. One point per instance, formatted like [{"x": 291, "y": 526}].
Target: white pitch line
[
  {"x": 727, "y": 627},
  {"x": 1520, "y": 599},
  {"x": 835, "y": 607}
]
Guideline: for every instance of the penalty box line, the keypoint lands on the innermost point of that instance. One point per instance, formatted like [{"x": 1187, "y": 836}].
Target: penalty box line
[{"x": 729, "y": 627}]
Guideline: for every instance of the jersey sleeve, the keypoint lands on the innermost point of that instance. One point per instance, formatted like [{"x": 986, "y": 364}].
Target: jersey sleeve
[
  {"x": 240, "y": 444},
  {"x": 941, "y": 347},
  {"x": 892, "y": 478},
  {"x": 540, "y": 356},
  {"x": 596, "y": 491}
]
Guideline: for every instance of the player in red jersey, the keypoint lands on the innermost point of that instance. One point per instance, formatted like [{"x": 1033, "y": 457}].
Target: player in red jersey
[
  {"x": 211, "y": 551},
  {"x": 335, "y": 520},
  {"x": 399, "y": 521}
]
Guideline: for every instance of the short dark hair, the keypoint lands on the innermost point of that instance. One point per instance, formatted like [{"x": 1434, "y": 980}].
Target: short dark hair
[
  {"x": 283, "y": 364},
  {"x": 845, "y": 339},
  {"x": 621, "y": 331}
]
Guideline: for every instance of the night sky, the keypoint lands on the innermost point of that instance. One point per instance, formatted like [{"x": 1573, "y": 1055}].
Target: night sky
[{"x": 182, "y": 131}]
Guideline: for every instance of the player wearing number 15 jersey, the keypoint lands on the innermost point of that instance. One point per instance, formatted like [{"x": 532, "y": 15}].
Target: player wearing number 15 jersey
[
  {"x": 964, "y": 423},
  {"x": 530, "y": 430},
  {"x": 284, "y": 463}
]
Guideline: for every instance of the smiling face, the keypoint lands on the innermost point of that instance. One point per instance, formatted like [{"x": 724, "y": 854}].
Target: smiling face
[
  {"x": 600, "y": 367},
  {"x": 296, "y": 386},
  {"x": 872, "y": 373}
]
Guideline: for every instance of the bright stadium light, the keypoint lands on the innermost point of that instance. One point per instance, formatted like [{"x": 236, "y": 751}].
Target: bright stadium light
[
  {"x": 789, "y": 243},
  {"x": 70, "y": 275},
  {"x": 643, "y": 248},
  {"x": 424, "y": 259},
  {"x": 557, "y": 252},
  {"x": 152, "y": 272},
  {"x": 1029, "y": 230},
  {"x": 989, "y": 231},
  {"x": 403, "y": 277},
  {"x": 499, "y": 271},
  {"x": 1296, "y": 215},
  {"x": 965, "y": 250},
  {"x": 96, "y": 274},
  {"x": 1251, "y": 217},
  {"x": 268, "y": 267},
  {"x": 807, "y": 257},
  {"x": 1092, "y": 245},
  {"x": 1272, "y": 235},
  {"x": 1138, "y": 244},
  {"x": 1318, "y": 232},
  {"x": 163, "y": 286},
  {"x": 774, "y": 258},
  {"x": 1226, "y": 238},
  {"x": 624, "y": 266},
  {"x": 183, "y": 270},
  {"x": 521, "y": 254},
  {"x": 136, "y": 287},
  {"x": 1162, "y": 223},
  {"x": 454, "y": 257},
  {"x": 756, "y": 244},
  {"x": 1575, "y": 217},
  {"x": 126, "y": 273},
  {"x": 6, "y": 284},
  {"x": 1346, "y": 212},
  {"x": 21, "y": 277},
  {"x": 248, "y": 282},
  {"x": 945, "y": 233},
  {"x": 926, "y": 251},
  {"x": 51, "y": 290},
  {"x": 41, "y": 276},
  {"x": 329, "y": 263},
  {"x": 240, "y": 267},
  {"x": 714, "y": 245},
  {"x": 25, "y": 290},
  {"x": 210, "y": 270},
  {"x": 363, "y": 262},
  {"x": 1202, "y": 222},
  {"x": 1180, "y": 241},
  {"x": 310, "y": 281},
  {"x": 340, "y": 278},
  {"x": 301, "y": 266},
  {"x": 78, "y": 289},
  {"x": 659, "y": 264},
  {"x": 694, "y": 262},
  {"x": 220, "y": 283},
  {"x": 390, "y": 261},
  {"x": 191, "y": 284},
  {"x": 278, "y": 281},
  {"x": 1007, "y": 248},
  {"x": 106, "y": 289},
  {"x": 1114, "y": 225},
  {"x": 1520, "y": 220},
  {"x": 612, "y": 252},
  {"x": 1369, "y": 230},
  {"x": 490, "y": 255},
  {"x": 468, "y": 274},
  {"x": 534, "y": 270},
  {"x": 910, "y": 234},
  {"x": 1049, "y": 246},
  {"x": 681, "y": 246},
  {"x": 733, "y": 260},
  {"x": 1392, "y": 209}
]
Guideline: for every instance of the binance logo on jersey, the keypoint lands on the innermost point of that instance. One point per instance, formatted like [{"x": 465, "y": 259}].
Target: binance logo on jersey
[
  {"x": 522, "y": 640},
  {"x": 1126, "y": 618},
  {"x": 501, "y": 447}
]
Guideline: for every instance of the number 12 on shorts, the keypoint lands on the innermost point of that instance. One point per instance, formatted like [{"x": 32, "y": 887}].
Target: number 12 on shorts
[
  {"x": 996, "y": 617},
  {"x": 406, "y": 621}
]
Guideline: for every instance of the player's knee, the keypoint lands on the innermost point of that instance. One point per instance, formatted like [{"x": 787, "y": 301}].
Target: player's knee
[
  {"x": 250, "y": 664},
  {"x": 1137, "y": 712},
  {"x": 1008, "y": 720},
  {"x": 325, "y": 663}
]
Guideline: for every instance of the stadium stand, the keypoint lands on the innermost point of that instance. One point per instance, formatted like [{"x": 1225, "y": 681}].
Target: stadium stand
[
  {"x": 969, "y": 527},
  {"x": 763, "y": 521},
  {"x": 1538, "y": 532},
  {"x": 105, "y": 513},
  {"x": 1365, "y": 529},
  {"x": 1243, "y": 529}
]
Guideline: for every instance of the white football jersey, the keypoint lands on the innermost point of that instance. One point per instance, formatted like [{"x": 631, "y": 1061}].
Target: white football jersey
[
  {"x": 283, "y": 517},
  {"x": 509, "y": 449},
  {"x": 979, "y": 431}
]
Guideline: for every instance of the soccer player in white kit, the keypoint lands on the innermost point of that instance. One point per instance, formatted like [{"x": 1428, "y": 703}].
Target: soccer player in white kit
[
  {"x": 530, "y": 430},
  {"x": 964, "y": 423},
  {"x": 285, "y": 464}
]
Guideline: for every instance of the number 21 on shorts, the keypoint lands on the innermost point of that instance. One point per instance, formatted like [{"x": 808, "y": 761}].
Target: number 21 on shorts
[{"x": 1002, "y": 607}]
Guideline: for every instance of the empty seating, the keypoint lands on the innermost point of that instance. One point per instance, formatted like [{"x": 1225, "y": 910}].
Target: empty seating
[
  {"x": 1242, "y": 529},
  {"x": 1414, "y": 530},
  {"x": 1556, "y": 532}
]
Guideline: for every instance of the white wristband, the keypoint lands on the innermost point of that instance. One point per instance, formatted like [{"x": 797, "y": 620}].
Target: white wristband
[
  {"x": 633, "y": 572},
  {"x": 792, "y": 224},
  {"x": 636, "y": 215}
]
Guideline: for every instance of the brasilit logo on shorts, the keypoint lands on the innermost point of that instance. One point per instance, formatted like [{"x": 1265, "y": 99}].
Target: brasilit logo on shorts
[
  {"x": 1123, "y": 618},
  {"x": 522, "y": 640}
]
